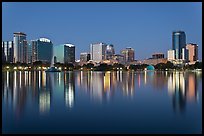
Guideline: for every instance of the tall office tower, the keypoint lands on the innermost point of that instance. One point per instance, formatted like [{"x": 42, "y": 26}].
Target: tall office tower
[
  {"x": 69, "y": 53},
  {"x": 179, "y": 42},
  {"x": 97, "y": 51},
  {"x": 110, "y": 52},
  {"x": 158, "y": 55},
  {"x": 29, "y": 52},
  {"x": 84, "y": 57},
  {"x": 20, "y": 47},
  {"x": 42, "y": 50},
  {"x": 24, "y": 54},
  {"x": 192, "y": 50},
  {"x": 58, "y": 51},
  {"x": 7, "y": 51},
  {"x": 129, "y": 54},
  {"x": 34, "y": 50},
  {"x": 171, "y": 55}
]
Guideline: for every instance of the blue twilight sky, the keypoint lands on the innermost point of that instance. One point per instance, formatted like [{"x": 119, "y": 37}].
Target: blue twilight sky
[{"x": 146, "y": 27}]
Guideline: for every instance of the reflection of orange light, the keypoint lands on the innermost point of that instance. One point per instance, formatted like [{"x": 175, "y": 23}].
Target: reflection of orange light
[
  {"x": 43, "y": 78},
  {"x": 191, "y": 87},
  {"x": 139, "y": 80},
  {"x": 145, "y": 77},
  {"x": 107, "y": 81}
]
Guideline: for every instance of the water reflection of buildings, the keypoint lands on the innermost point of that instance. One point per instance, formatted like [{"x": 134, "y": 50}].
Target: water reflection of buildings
[
  {"x": 160, "y": 80},
  {"x": 69, "y": 89},
  {"x": 182, "y": 86},
  {"x": 45, "y": 86},
  {"x": 102, "y": 85},
  {"x": 19, "y": 86}
]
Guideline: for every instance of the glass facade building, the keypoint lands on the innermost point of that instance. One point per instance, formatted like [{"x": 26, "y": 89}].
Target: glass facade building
[
  {"x": 69, "y": 53},
  {"x": 97, "y": 51},
  {"x": 179, "y": 42},
  {"x": 7, "y": 51},
  {"x": 42, "y": 50},
  {"x": 58, "y": 51},
  {"x": 109, "y": 54},
  {"x": 20, "y": 47}
]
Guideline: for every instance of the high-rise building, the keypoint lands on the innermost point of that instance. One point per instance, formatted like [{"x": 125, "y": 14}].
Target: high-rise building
[
  {"x": 29, "y": 52},
  {"x": 58, "y": 51},
  {"x": 158, "y": 55},
  {"x": 7, "y": 51},
  {"x": 109, "y": 53},
  {"x": 192, "y": 50},
  {"x": 170, "y": 55},
  {"x": 69, "y": 53},
  {"x": 20, "y": 47},
  {"x": 97, "y": 51},
  {"x": 84, "y": 57},
  {"x": 42, "y": 50},
  {"x": 179, "y": 42},
  {"x": 24, "y": 54},
  {"x": 129, "y": 54}
]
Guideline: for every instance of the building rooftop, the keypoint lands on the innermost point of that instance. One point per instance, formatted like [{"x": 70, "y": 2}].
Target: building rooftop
[
  {"x": 69, "y": 45},
  {"x": 44, "y": 40},
  {"x": 19, "y": 33}
]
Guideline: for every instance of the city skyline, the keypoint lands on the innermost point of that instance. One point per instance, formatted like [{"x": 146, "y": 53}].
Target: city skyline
[{"x": 112, "y": 28}]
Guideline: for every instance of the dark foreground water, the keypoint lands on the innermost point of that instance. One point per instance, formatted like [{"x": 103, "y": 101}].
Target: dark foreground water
[{"x": 102, "y": 102}]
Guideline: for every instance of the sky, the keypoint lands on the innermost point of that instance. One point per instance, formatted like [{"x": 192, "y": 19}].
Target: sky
[{"x": 147, "y": 27}]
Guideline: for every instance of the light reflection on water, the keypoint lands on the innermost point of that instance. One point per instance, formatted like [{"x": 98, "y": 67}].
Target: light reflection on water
[{"x": 44, "y": 89}]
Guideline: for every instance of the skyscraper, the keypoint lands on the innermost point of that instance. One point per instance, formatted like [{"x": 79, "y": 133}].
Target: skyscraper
[
  {"x": 7, "y": 51},
  {"x": 42, "y": 50},
  {"x": 69, "y": 53},
  {"x": 179, "y": 42},
  {"x": 192, "y": 50},
  {"x": 129, "y": 54},
  {"x": 97, "y": 52},
  {"x": 20, "y": 47},
  {"x": 58, "y": 51},
  {"x": 29, "y": 52},
  {"x": 109, "y": 53}
]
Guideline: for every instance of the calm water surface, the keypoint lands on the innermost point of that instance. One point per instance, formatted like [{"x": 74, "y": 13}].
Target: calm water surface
[{"x": 101, "y": 102}]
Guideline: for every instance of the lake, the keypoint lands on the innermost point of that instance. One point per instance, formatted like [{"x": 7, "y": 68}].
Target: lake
[{"x": 119, "y": 102}]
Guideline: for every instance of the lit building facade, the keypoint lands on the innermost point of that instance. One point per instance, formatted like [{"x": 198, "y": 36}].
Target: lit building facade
[
  {"x": 20, "y": 47},
  {"x": 58, "y": 51},
  {"x": 97, "y": 52},
  {"x": 119, "y": 58},
  {"x": 154, "y": 61},
  {"x": 30, "y": 52},
  {"x": 109, "y": 53},
  {"x": 178, "y": 44},
  {"x": 84, "y": 57},
  {"x": 171, "y": 55},
  {"x": 192, "y": 50},
  {"x": 42, "y": 50},
  {"x": 7, "y": 51},
  {"x": 69, "y": 53},
  {"x": 129, "y": 54}
]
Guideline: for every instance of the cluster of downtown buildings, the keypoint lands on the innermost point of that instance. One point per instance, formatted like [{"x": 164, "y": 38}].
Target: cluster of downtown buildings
[{"x": 24, "y": 51}]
